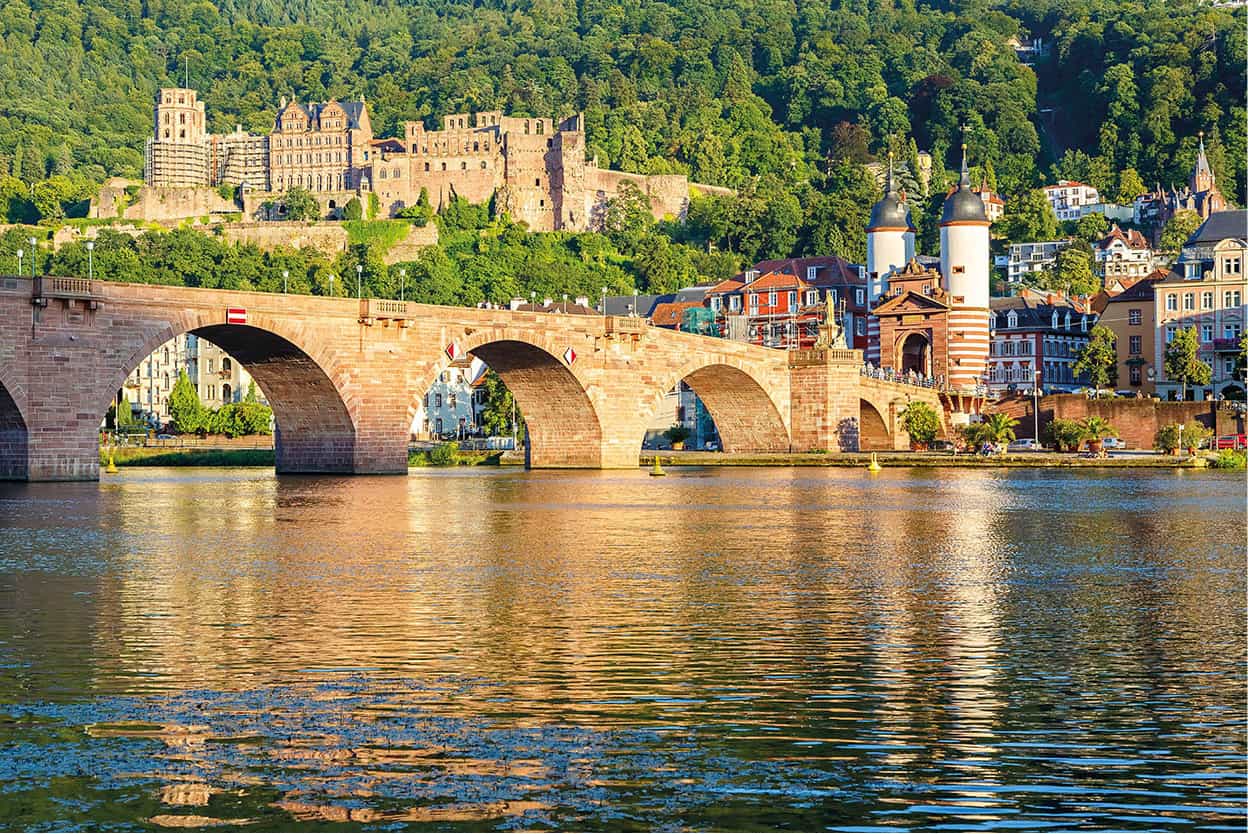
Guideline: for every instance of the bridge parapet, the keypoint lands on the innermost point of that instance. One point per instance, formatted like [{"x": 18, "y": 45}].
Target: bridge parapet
[
  {"x": 66, "y": 289},
  {"x": 386, "y": 310}
]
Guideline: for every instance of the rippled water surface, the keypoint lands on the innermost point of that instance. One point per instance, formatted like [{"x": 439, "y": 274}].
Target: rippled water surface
[{"x": 722, "y": 649}]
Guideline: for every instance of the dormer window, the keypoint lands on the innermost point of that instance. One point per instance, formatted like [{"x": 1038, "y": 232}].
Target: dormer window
[
  {"x": 1068, "y": 320},
  {"x": 1011, "y": 319},
  {"x": 1055, "y": 319},
  {"x": 811, "y": 272}
]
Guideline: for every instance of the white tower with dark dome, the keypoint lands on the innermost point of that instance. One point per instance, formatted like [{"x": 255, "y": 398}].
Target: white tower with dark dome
[
  {"x": 964, "y": 267},
  {"x": 890, "y": 246}
]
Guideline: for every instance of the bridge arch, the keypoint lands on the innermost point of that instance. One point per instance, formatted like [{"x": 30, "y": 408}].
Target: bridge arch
[
  {"x": 315, "y": 429},
  {"x": 559, "y": 409},
  {"x": 874, "y": 427},
  {"x": 745, "y": 413},
  {"x": 13, "y": 431}
]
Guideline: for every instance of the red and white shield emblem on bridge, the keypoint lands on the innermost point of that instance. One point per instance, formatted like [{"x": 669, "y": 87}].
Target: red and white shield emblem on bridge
[
  {"x": 452, "y": 351},
  {"x": 569, "y": 356},
  {"x": 235, "y": 315}
]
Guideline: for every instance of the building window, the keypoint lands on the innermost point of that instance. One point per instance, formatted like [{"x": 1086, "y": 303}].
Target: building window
[
  {"x": 1135, "y": 374},
  {"x": 1136, "y": 344},
  {"x": 1206, "y": 301},
  {"x": 753, "y": 302},
  {"x": 812, "y": 297},
  {"x": 1231, "y": 331},
  {"x": 1172, "y": 302},
  {"x": 859, "y": 297},
  {"x": 1231, "y": 266},
  {"x": 810, "y": 272},
  {"x": 860, "y": 326},
  {"x": 1230, "y": 299},
  {"x": 1189, "y": 301},
  {"x": 1206, "y": 332},
  {"x": 437, "y": 400},
  {"x": 1134, "y": 317},
  {"x": 1171, "y": 330},
  {"x": 771, "y": 299},
  {"x": 454, "y": 401},
  {"x": 792, "y": 299}
]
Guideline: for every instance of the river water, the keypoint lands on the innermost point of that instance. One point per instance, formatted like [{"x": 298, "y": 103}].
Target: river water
[{"x": 718, "y": 649}]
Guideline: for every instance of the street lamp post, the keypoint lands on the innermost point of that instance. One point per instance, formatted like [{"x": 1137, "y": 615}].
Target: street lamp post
[
  {"x": 359, "y": 280},
  {"x": 285, "y": 279},
  {"x": 20, "y": 252},
  {"x": 402, "y": 284},
  {"x": 533, "y": 299},
  {"x": 331, "y": 284},
  {"x": 34, "y": 256},
  {"x": 90, "y": 259},
  {"x": 565, "y": 303}
]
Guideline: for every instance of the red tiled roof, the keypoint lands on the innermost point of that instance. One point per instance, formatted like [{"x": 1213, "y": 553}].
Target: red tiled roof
[
  {"x": 829, "y": 269},
  {"x": 778, "y": 281},
  {"x": 1067, "y": 184},
  {"x": 669, "y": 314},
  {"x": 731, "y": 285},
  {"x": 1132, "y": 238}
]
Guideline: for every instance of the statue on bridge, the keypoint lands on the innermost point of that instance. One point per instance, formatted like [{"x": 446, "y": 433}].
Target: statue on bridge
[{"x": 832, "y": 331}]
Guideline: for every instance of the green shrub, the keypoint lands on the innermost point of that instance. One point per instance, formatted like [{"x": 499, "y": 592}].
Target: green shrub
[
  {"x": 444, "y": 454},
  {"x": 1229, "y": 459},
  {"x": 380, "y": 234},
  {"x": 921, "y": 422},
  {"x": 1066, "y": 435},
  {"x": 677, "y": 434},
  {"x": 353, "y": 210},
  {"x": 1167, "y": 438}
]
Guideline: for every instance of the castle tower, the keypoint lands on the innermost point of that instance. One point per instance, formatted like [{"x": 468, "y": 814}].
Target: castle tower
[
  {"x": 890, "y": 246},
  {"x": 177, "y": 154},
  {"x": 964, "y": 267}
]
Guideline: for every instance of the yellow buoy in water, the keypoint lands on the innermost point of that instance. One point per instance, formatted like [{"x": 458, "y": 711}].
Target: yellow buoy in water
[
  {"x": 657, "y": 471},
  {"x": 874, "y": 465}
]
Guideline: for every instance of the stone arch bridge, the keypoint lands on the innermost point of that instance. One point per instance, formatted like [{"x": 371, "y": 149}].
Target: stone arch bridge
[{"x": 345, "y": 376}]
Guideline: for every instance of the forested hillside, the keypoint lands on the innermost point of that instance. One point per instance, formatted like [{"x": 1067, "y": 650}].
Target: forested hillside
[{"x": 720, "y": 89}]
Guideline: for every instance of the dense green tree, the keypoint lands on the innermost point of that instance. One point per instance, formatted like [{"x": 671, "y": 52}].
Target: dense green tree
[
  {"x": 1073, "y": 274},
  {"x": 1178, "y": 229},
  {"x": 301, "y": 205},
  {"x": 353, "y": 210},
  {"x": 1182, "y": 362},
  {"x": 1091, "y": 227},
  {"x": 186, "y": 412},
  {"x": 1029, "y": 217},
  {"x": 500, "y": 415},
  {"x": 1098, "y": 358}
]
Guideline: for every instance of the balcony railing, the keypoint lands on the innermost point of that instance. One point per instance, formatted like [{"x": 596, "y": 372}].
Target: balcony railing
[{"x": 386, "y": 310}]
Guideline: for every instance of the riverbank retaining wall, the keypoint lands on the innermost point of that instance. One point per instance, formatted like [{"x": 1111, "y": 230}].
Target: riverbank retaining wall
[{"x": 1137, "y": 421}]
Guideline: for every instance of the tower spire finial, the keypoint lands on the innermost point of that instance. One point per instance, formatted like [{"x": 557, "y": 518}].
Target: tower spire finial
[
  {"x": 888, "y": 185},
  {"x": 966, "y": 173}
]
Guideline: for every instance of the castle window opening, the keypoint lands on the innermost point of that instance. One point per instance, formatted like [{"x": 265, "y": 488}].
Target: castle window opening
[
  {"x": 443, "y": 166},
  {"x": 483, "y": 165},
  {"x": 181, "y": 134},
  {"x": 463, "y": 166},
  {"x": 181, "y": 118},
  {"x": 426, "y": 166},
  {"x": 537, "y": 181},
  {"x": 476, "y": 146},
  {"x": 540, "y": 129}
]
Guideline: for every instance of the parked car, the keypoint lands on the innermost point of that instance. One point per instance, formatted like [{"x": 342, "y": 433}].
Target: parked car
[
  {"x": 1025, "y": 444},
  {"x": 1113, "y": 443},
  {"x": 710, "y": 446},
  {"x": 941, "y": 446},
  {"x": 164, "y": 437},
  {"x": 1233, "y": 441}
]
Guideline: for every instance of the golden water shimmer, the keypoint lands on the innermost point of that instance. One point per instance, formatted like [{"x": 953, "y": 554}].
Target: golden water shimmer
[{"x": 726, "y": 649}]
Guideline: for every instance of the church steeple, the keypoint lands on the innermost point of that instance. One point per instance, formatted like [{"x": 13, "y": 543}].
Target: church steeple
[{"x": 1202, "y": 175}]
